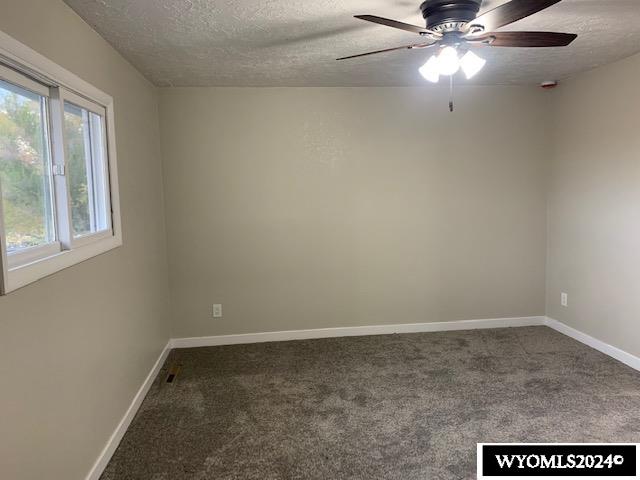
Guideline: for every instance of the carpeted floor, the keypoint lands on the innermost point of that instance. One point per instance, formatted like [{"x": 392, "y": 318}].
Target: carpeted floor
[{"x": 385, "y": 407}]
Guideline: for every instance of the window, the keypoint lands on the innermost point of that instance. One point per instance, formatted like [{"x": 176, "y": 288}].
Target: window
[
  {"x": 25, "y": 169},
  {"x": 88, "y": 187},
  {"x": 58, "y": 182}
]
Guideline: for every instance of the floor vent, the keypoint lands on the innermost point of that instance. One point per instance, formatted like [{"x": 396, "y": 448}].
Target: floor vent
[{"x": 173, "y": 373}]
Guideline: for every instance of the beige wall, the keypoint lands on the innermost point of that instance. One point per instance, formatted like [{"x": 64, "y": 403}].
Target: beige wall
[
  {"x": 75, "y": 347},
  {"x": 307, "y": 208},
  {"x": 594, "y": 205},
  {"x": 322, "y": 207}
]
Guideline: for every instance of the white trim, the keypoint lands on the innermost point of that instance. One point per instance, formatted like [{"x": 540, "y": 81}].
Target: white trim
[
  {"x": 110, "y": 448},
  {"x": 116, "y": 437},
  {"x": 23, "y": 57},
  {"x": 61, "y": 186},
  {"x": 90, "y": 238},
  {"x": 63, "y": 84},
  {"x": 614, "y": 352},
  {"x": 28, "y": 255},
  {"x": 26, "y": 274},
  {"x": 4, "y": 260},
  {"x": 112, "y": 181},
  {"x": 356, "y": 331},
  {"x": 24, "y": 82},
  {"x": 82, "y": 102}
]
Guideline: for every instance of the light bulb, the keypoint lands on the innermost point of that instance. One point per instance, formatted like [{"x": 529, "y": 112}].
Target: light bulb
[
  {"x": 448, "y": 62},
  {"x": 430, "y": 70},
  {"x": 471, "y": 64}
]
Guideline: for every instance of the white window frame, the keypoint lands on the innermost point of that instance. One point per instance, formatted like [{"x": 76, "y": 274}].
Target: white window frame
[
  {"x": 43, "y": 76},
  {"x": 61, "y": 97}
]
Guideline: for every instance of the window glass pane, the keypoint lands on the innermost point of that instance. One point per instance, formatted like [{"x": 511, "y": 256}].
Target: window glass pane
[
  {"x": 25, "y": 168},
  {"x": 84, "y": 137}
]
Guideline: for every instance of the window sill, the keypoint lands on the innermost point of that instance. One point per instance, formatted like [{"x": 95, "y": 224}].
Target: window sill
[{"x": 24, "y": 275}]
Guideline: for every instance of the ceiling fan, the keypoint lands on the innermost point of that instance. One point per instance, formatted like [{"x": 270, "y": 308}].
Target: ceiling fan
[{"x": 456, "y": 28}]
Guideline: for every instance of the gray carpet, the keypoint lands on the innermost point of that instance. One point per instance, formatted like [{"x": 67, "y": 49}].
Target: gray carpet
[{"x": 385, "y": 407}]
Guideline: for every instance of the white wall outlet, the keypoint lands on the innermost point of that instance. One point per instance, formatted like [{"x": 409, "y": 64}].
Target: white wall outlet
[
  {"x": 564, "y": 299},
  {"x": 217, "y": 310}
]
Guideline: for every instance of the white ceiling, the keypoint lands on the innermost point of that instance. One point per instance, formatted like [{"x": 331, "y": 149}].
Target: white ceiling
[{"x": 295, "y": 42}]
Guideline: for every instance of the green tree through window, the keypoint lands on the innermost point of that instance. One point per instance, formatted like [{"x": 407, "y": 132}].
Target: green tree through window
[
  {"x": 76, "y": 129},
  {"x": 24, "y": 170}
]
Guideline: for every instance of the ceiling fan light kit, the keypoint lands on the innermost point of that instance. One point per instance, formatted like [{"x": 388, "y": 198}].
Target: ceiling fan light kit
[
  {"x": 449, "y": 62},
  {"x": 456, "y": 27}
]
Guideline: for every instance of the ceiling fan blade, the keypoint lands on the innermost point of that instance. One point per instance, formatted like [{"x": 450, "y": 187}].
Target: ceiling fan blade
[
  {"x": 510, "y": 12},
  {"x": 395, "y": 24},
  {"x": 525, "y": 39},
  {"x": 405, "y": 47}
]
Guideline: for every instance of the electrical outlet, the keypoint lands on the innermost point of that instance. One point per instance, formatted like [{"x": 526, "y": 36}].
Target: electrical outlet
[
  {"x": 564, "y": 299},
  {"x": 217, "y": 310}
]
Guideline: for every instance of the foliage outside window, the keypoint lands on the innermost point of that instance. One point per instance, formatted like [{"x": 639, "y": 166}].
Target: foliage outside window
[
  {"x": 58, "y": 202},
  {"x": 25, "y": 169}
]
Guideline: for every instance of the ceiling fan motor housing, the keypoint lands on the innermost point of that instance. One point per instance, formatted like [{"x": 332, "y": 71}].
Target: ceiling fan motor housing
[{"x": 449, "y": 15}]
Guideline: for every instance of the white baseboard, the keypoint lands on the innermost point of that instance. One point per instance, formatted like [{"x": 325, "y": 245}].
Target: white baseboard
[
  {"x": 615, "y": 352},
  {"x": 116, "y": 436},
  {"x": 355, "y": 331}
]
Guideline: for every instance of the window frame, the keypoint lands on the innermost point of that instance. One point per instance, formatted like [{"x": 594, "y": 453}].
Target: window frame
[
  {"x": 25, "y": 67},
  {"x": 30, "y": 254},
  {"x": 65, "y": 96}
]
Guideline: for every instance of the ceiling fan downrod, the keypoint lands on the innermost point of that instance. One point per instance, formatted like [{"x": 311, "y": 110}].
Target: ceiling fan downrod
[{"x": 449, "y": 15}]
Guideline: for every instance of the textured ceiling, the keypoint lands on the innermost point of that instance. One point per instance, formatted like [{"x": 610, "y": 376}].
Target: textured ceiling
[{"x": 295, "y": 42}]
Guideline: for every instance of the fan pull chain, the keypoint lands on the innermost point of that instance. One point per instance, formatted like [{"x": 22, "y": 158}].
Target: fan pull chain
[{"x": 451, "y": 93}]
